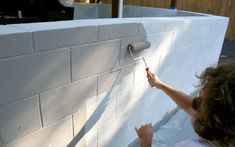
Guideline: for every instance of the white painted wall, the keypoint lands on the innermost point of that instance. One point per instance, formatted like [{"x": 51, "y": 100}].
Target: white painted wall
[{"x": 71, "y": 80}]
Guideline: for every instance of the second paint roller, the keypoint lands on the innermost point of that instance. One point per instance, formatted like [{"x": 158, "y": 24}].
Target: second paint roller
[{"x": 138, "y": 46}]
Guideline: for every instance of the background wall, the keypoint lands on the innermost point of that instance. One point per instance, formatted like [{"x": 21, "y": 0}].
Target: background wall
[
  {"x": 215, "y": 7},
  {"x": 74, "y": 81},
  {"x": 94, "y": 11}
]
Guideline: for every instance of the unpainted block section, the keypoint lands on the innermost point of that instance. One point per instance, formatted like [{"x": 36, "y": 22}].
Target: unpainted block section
[
  {"x": 117, "y": 31},
  {"x": 15, "y": 42},
  {"x": 54, "y": 39},
  {"x": 28, "y": 75},
  {"x": 56, "y": 135},
  {"x": 19, "y": 119},
  {"x": 90, "y": 11},
  {"x": 61, "y": 102},
  {"x": 104, "y": 11},
  {"x": 45, "y": 26},
  {"x": 115, "y": 81},
  {"x": 91, "y": 59},
  {"x": 114, "y": 133}
]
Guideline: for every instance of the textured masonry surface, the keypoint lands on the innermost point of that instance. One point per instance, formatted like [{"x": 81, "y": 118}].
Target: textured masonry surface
[{"x": 75, "y": 81}]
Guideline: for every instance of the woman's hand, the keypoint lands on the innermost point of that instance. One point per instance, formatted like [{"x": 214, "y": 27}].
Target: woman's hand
[
  {"x": 145, "y": 134},
  {"x": 154, "y": 80}
]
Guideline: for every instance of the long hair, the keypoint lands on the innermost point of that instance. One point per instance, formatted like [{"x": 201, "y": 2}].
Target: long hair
[{"x": 216, "y": 109}]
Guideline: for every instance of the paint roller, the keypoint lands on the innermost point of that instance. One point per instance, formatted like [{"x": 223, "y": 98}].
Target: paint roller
[{"x": 136, "y": 47}]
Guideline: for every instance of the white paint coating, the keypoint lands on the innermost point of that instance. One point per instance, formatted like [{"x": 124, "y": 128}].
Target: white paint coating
[{"x": 83, "y": 75}]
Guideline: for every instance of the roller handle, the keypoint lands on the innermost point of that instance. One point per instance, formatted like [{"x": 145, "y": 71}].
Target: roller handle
[{"x": 147, "y": 69}]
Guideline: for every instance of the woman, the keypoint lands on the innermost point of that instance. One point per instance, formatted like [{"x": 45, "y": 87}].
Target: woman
[{"x": 213, "y": 111}]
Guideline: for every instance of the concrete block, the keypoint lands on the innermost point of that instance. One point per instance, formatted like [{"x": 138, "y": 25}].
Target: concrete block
[
  {"x": 130, "y": 98},
  {"x": 63, "y": 101},
  {"x": 19, "y": 119},
  {"x": 65, "y": 37},
  {"x": 28, "y": 75},
  {"x": 160, "y": 44},
  {"x": 153, "y": 62},
  {"x": 89, "y": 139},
  {"x": 14, "y": 42},
  {"x": 114, "y": 133},
  {"x": 213, "y": 47},
  {"x": 85, "y": 11},
  {"x": 91, "y": 59},
  {"x": 115, "y": 81},
  {"x": 55, "y": 25},
  {"x": 95, "y": 115},
  {"x": 183, "y": 38},
  {"x": 62, "y": 34},
  {"x": 177, "y": 62},
  {"x": 125, "y": 57},
  {"x": 87, "y": 120},
  {"x": 217, "y": 30},
  {"x": 44, "y": 26},
  {"x": 84, "y": 127},
  {"x": 104, "y": 11},
  {"x": 117, "y": 31},
  {"x": 151, "y": 110},
  {"x": 59, "y": 134},
  {"x": 192, "y": 22},
  {"x": 159, "y": 25}
]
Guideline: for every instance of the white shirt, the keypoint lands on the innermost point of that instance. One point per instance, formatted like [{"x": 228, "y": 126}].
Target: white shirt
[{"x": 195, "y": 143}]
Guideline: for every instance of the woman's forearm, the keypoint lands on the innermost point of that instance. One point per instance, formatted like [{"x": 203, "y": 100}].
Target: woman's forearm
[{"x": 180, "y": 98}]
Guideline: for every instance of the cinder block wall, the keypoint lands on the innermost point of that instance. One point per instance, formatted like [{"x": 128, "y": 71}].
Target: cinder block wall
[
  {"x": 94, "y": 10},
  {"x": 74, "y": 81}
]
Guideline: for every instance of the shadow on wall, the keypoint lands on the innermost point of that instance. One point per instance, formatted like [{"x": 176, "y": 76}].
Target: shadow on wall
[
  {"x": 161, "y": 47},
  {"x": 93, "y": 119},
  {"x": 116, "y": 85},
  {"x": 169, "y": 52}
]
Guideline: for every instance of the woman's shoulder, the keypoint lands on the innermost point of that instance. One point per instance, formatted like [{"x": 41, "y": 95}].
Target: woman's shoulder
[{"x": 194, "y": 143}]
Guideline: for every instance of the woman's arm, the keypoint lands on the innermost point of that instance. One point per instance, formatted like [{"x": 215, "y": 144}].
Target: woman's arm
[{"x": 180, "y": 98}]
